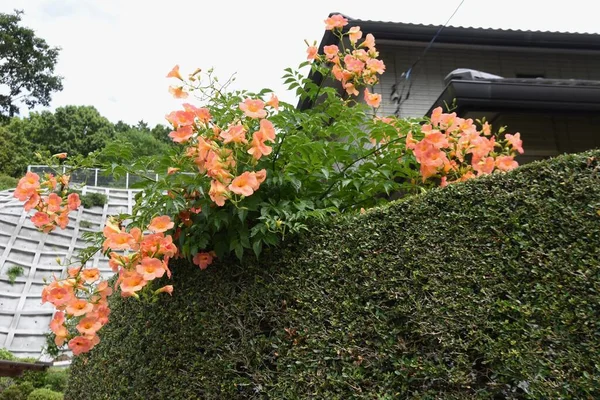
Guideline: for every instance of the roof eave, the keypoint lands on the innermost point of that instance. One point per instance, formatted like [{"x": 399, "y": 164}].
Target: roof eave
[
  {"x": 474, "y": 36},
  {"x": 468, "y": 95}
]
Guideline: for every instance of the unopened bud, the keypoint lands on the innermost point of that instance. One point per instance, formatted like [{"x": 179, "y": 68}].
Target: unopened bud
[
  {"x": 196, "y": 72},
  {"x": 165, "y": 289}
]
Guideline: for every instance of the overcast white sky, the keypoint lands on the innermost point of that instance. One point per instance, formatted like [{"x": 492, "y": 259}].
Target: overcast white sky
[{"x": 116, "y": 53}]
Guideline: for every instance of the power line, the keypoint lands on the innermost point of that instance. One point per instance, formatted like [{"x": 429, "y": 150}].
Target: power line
[{"x": 408, "y": 73}]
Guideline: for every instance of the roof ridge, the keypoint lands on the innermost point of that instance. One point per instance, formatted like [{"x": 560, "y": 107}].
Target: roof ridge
[{"x": 356, "y": 21}]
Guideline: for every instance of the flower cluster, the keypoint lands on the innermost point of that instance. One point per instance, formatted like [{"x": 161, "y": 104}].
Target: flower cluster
[
  {"x": 81, "y": 301},
  {"x": 217, "y": 150},
  {"x": 81, "y": 298},
  {"x": 355, "y": 67},
  {"x": 147, "y": 255},
  {"x": 224, "y": 153},
  {"x": 49, "y": 197},
  {"x": 453, "y": 149}
]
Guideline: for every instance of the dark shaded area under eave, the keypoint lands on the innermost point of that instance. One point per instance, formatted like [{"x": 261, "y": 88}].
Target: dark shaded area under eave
[
  {"x": 550, "y": 95},
  {"x": 554, "y": 116}
]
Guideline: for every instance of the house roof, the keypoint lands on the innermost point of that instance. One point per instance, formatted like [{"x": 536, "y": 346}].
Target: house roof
[
  {"x": 566, "y": 95},
  {"x": 402, "y": 31}
]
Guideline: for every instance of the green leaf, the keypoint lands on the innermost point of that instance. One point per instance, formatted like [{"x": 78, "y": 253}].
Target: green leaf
[
  {"x": 257, "y": 247},
  {"x": 221, "y": 246},
  {"x": 296, "y": 183},
  {"x": 271, "y": 239},
  {"x": 244, "y": 236},
  {"x": 242, "y": 214},
  {"x": 239, "y": 250}
]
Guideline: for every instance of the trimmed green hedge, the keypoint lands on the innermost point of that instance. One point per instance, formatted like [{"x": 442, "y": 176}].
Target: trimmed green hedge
[{"x": 488, "y": 289}]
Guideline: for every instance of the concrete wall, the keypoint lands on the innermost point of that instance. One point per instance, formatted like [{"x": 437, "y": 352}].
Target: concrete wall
[{"x": 24, "y": 321}]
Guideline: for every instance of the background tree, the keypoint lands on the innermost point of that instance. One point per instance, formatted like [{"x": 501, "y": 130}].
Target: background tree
[
  {"x": 121, "y": 126},
  {"x": 141, "y": 140},
  {"x": 75, "y": 130},
  {"x": 161, "y": 132},
  {"x": 16, "y": 152},
  {"x": 26, "y": 67},
  {"x": 142, "y": 126},
  {"x": 142, "y": 143},
  {"x": 72, "y": 129}
]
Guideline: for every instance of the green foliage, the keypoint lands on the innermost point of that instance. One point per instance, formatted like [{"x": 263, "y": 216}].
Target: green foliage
[
  {"x": 121, "y": 126},
  {"x": 322, "y": 162},
  {"x": 15, "y": 150},
  {"x": 487, "y": 289},
  {"x": 20, "y": 387},
  {"x": 17, "y": 392},
  {"x": 26, "y": 388},
  {"x": 7, "y": 182},
  {"x": 36, "y": 378},
  {"x": 6, "y": 355},
  {"x": 45, "y": 394},
  {"x": 159, "y": 132},
  {"x": 14, "y": 272},
  {"x": 76, "y": 130},
  {"x": 91, "y": 199},
  {"x": 136, "y": 145},
  {"x": 143, "y": 143},
  {"x": 53, "y": 379},
  {"x": 56, "y": 379},
  {"x": 27, "y": 68}
]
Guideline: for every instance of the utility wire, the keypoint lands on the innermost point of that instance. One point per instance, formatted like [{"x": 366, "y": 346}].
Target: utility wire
[{"x": 408, "y": 73}]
